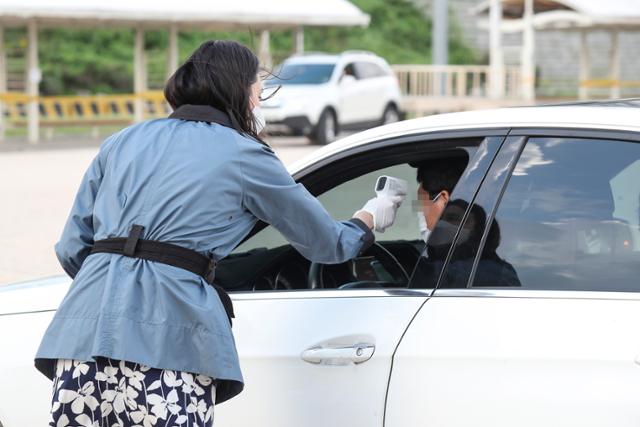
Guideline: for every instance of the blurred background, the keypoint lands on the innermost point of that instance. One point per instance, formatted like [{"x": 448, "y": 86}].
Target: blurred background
[{"x": 72, "y": 72}]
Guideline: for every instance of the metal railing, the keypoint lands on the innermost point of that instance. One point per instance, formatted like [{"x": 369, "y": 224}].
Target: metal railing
[{"x": 453, "y": 81}]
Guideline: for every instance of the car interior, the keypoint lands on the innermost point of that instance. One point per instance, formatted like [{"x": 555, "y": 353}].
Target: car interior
[{"x": 265, "y": 261}]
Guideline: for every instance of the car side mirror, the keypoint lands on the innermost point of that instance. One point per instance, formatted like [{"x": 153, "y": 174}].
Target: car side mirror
[{"x": 347, "y": 79}]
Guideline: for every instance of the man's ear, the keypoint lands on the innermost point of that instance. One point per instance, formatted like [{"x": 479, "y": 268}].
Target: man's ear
[{"x": 445, "y": 196}]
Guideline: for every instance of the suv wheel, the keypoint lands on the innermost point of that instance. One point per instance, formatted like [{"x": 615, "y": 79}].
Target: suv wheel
[
  {"x": 327, "y": 128},
  {"x": 390, "y": 115}
]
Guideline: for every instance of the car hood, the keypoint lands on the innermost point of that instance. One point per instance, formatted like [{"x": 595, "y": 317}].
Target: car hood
[{"x": 33, "y": 295}]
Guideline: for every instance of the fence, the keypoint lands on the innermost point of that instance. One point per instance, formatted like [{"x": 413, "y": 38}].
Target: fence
[
  {"x": 455, "y": 86},
  {"x": 453, "y": 81},
  {"x": 88, "y": 110}
]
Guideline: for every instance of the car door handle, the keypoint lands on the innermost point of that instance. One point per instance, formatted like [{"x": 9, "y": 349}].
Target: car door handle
[{"x": 354, "y": 354}]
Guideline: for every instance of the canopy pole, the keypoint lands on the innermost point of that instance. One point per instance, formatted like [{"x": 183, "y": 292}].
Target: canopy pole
[
  {"x": 299, "y": 40},
  {"x": 33, "y": 81},
  {"x": 615, "y": 65},
  {"x": 172, "y": 53},
  {"x": 585, "y": 66},
  {"x": 496, "y": 57},
  {"x": 3, "y": 85},
  {"x": 527, "y": 63},
  {"x": 139, "y": 76},
  {"x": 264, "y": 53}
]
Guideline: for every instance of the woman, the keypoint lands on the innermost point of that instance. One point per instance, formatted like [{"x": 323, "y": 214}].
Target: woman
[{"x": 141, "y": 335}]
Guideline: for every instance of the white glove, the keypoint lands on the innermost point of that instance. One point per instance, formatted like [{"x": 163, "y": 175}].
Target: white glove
[{"x": 383, "y": 209}]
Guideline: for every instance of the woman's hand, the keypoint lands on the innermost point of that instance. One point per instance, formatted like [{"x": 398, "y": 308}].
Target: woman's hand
[{"x": 379, "y": 213}]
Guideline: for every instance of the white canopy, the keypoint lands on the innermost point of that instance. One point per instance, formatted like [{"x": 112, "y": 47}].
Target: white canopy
[
  {"x": 568, "y": 14},
  {"x": 186, "y": 14}
]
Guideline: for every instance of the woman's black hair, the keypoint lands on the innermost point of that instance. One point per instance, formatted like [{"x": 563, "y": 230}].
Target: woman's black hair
[{"x": 220, "y": 74}]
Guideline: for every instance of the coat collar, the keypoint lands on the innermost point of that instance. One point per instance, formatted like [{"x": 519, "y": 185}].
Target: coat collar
[{"x": 201, "y": 113}]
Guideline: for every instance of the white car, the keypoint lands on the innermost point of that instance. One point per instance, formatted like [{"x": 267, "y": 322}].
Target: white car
[
  {"x": 322, "y": 94},
  {"x": 527, "y": 316}
]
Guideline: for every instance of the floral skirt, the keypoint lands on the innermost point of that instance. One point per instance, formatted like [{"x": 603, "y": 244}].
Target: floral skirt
[{"x": 112, "y": 393}]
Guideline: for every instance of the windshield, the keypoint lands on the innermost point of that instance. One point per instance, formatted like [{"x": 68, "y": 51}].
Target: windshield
[{"x": 301, "y": 74}]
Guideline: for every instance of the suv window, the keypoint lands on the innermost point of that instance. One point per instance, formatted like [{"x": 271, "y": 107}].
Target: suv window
[
  {"x": 367, "y": 70},
  {"x": 568, "y": 219},
  {"x": 291, "y": 73}
]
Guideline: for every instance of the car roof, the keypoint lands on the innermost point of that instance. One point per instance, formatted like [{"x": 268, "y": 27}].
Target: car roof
[
  {"x": 333, "y": 58},
  {"x": 614, "y": 115}
]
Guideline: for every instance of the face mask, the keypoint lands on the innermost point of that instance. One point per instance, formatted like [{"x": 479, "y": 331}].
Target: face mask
[
  {"x": 422, "y": 225},
  {"x": 258, "y": 116}
]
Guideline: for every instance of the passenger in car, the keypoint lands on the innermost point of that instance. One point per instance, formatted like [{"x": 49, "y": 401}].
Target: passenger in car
[{"x": 437, "y": 179}]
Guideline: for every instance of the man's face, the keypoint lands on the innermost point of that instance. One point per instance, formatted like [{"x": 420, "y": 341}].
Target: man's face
[{"x": 430, "y": 209}]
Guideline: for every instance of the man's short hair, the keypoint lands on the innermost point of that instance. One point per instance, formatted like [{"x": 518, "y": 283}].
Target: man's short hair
[{"x": 436, "y": 175}]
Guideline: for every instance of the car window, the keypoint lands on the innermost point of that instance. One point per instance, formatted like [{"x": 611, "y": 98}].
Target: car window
[
  {"x": 300, "y": 74},
  {"x": 368, "y": 70},
  {"x": 267, "y": 262},
  {"x": 366, "y": 270},
  {"x": 345, "y": 199},
  {"x": 568, "y": 219}
]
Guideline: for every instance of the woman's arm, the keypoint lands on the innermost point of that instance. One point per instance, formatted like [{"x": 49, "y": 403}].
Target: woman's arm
[
  {"x": 271, "y": 194},
  {"x": 365, "y": 217},
  {"x": 77, "y": 237}
]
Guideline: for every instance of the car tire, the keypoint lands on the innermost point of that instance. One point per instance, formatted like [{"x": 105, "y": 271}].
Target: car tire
[
  {"x": 326, "y": 130},
  {"x": 390, "y": 115}
]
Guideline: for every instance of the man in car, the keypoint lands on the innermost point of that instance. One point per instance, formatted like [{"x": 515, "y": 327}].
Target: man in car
[{"x": 436, "y": 181}]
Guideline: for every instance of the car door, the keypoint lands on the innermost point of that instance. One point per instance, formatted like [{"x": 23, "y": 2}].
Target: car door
[
  {"x": 352, "y": 93},
  {"x": 323, "y": 357},
  {"x": 537, "y": 323},
  {"x": 375, "y": 90},
  {"x": 26, "y": 309}
]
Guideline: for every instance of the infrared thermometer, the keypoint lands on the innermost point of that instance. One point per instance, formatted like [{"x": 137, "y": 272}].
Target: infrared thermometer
[{"x": 388, "y": 186}]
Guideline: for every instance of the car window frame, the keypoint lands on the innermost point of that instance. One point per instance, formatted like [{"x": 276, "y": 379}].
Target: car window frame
[{"x": 361, "y": 66}]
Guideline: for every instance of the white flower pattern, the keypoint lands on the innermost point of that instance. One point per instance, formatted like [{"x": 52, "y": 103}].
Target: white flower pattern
[{"x": 110, "y": 393}]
